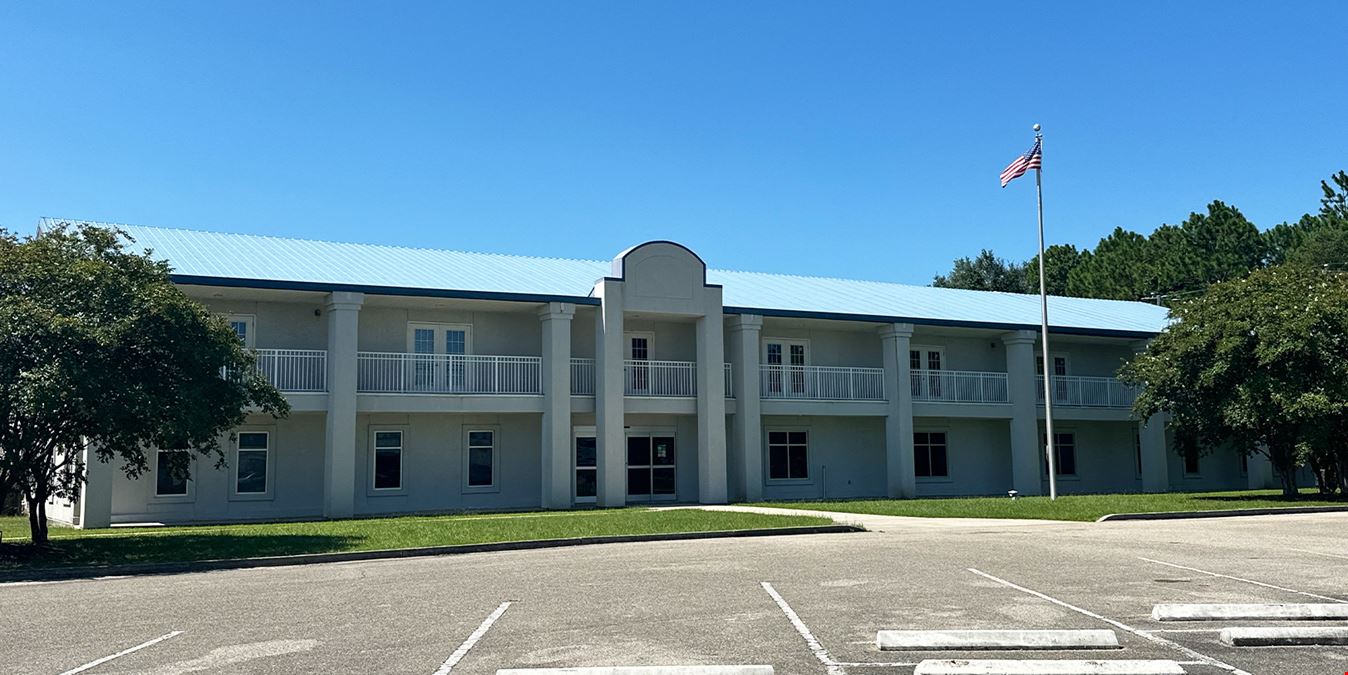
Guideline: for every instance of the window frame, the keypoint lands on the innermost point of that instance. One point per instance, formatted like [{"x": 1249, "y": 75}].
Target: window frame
[
  {"x": 371, "y": 489},
  {"x": 1043, "y": 461},
  {"x": 925, "y": 358},
  {"x": 190, "y": 495},
  {"x": 1196, "y": 456},
  {"x": 270, "y": 477},
  {"x": 438, "y": 343},
  {"x": 250, "y": 320},
  {"x": 948, "y": 477},
  {"x": 495, "y": 431},
  {"x": 767, "y": 456}
]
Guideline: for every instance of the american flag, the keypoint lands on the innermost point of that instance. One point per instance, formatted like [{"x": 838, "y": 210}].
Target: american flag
[{"x": 1023, "y": 163}]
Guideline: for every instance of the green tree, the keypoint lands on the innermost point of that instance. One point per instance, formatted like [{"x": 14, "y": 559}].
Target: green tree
[
  {"x": 1258, "y": 363},
  {"x": 100, "y": 351},
  {"x": 1282, "y": 241},
  {"x": 986, "y": 272},
  {"x": 1059, "y": 261},
  {"x": 1117, "y": 269},
  {"x": 1323, "y": 247}
]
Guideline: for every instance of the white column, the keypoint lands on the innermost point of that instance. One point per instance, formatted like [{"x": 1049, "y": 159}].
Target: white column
[
  {"x": 556, "y": 443},
  {"x": 95, "y": 503},
  {"x": 339, "y": 459},
  {"x": 1155, "y": 459},
  {"x": 1021, "y": 386},
  {"x": 746, "y": 462},
  {"x": 900, "y": 473},
  {"x": 711, "y": 451},
  {"x": 610, "y": 437}
]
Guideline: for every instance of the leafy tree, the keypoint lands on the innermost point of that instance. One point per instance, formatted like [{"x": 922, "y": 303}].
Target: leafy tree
[
  {"x": 1059, "y": 261},
  {"x": 100, "y": 351},
  {"x": 986, "y": 272},
  {"x": 1258, "y": 363},
  {"x": 1219, "y": 245},
  {"x": 1283, "y": 240}
]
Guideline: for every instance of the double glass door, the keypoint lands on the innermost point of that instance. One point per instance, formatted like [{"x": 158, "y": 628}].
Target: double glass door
[
  {"x": 651, "y": 468},
  {"x": 438, "y": 351},
  {"x": 786, "y": 361}
]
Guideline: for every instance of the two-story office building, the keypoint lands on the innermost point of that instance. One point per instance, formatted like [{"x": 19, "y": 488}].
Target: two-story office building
[{"x": 431, "y": 381}]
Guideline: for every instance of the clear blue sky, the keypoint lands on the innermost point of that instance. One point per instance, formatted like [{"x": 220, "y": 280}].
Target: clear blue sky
[{"x": 856, "y": 139}]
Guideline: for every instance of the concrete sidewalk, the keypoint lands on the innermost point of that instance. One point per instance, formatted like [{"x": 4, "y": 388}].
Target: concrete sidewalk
[{"x": 876, "y": 523}]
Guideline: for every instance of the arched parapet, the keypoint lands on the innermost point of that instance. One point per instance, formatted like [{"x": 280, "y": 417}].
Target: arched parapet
[{"x": 662, "y": 277}]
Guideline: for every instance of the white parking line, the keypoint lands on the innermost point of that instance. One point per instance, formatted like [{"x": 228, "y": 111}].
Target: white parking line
[
  {"x": 1205, "y": 659},
  {"x": 124, "y": 652},
  {"x": 1247, "y": 581},
  {"x": 831, "y": 666},
  {"x": 454, "y": 659},
  {"x": 1327, "y": 555}
]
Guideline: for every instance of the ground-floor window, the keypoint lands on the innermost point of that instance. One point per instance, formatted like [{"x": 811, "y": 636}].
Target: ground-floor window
[
  {"x": 929, "y": 454},
  {"x": 1064, "y": 454},
  {"x": 481, "y": 458},
  {"x": 388, "y": 460},
  {"x": 168, "y": 479},
  {"x": 250, "y": 470},
  {"x": 587, "y": 464},
  {"x": 1191, "y": 461},
  {"x": 788, "y": 455},
  {"x": 651, "y": 473}
]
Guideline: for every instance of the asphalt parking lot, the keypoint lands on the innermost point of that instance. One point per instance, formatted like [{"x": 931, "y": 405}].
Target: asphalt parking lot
[{"x": 803, "y": 604}]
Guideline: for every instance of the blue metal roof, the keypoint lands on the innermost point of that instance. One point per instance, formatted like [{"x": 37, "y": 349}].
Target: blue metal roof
[{"x": 254, "y": 260}]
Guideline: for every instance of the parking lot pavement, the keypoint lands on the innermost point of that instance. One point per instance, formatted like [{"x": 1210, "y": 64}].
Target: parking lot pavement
[{"x": 803, "y": 604}]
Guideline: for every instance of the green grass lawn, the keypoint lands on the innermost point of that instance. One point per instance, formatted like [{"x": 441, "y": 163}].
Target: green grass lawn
[
  {"x": 1068, "y": 507},
  {"x": 71, "y": 547}
]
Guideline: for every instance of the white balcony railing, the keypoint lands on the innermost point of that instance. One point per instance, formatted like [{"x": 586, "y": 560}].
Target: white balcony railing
[
  {"x": 822, "y": 383},
  {"x": 294, "y": 370},
  {"x": 959, "y": 386},
  {"x": 1087, "y": 392},
  {"x": 582, "y": 377},
  {"x": 659, "y": 378},
  {"x": 399, "y": 373}
]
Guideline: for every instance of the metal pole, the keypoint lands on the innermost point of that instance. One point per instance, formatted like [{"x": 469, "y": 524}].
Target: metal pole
[{"x": 1043, "y": 331}]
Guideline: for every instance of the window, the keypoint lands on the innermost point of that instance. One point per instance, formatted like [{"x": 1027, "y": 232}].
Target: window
[
  {"x": 250, "y": 472},
  {"x": 925, "y": 364},
  {"x": 1244, "y": 464},
  {"x": 1191, "y": 461},
  {"x": 388, "y": 460},
  {"x": 788, "y": 455},
  {"x": 786, "y": 361},
  {"x": 243, "y": 327},
  {"x": 1064, "y": 454},
  {"x": 1060, "y": 391},
  {"x": 481, "y": 458},
  {"x": 170, "y": 473},
  {"x": 439, "y": 363},
  {"x": 929, "y": 454}
]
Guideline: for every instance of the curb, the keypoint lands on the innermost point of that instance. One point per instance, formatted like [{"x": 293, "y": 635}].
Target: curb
[
  {"x": 57, "y": 574},
  {"x": 1225, "y": 513}
]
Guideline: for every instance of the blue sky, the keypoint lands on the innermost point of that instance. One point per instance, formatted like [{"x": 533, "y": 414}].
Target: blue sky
[{"x": 854, "y": 139}]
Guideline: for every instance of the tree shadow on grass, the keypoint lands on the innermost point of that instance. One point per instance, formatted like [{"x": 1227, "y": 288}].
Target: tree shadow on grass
[{"x": 26, "y": 560}]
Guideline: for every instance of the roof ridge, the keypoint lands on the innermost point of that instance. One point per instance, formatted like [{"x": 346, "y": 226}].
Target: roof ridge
[{"x": 310, "y": 240}]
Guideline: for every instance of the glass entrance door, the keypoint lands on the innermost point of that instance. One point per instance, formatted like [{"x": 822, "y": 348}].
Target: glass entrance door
[
  {"x": 786, "y": 360},
  {"x": 650, "y": 467},
  {"x": 587, "y": 469}
]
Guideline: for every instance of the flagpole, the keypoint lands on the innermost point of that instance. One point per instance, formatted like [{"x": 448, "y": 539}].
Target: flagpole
[{"x": 1049, "y": 370}]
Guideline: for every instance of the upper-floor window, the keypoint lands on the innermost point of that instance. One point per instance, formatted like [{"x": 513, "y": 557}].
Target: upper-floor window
[
  {"x": 1059, "y": 364},
  {"x": 927, "y": 363},
  {"x": 243, "y": 325},
  {"x": 439, "y": 348},
  {"x": 786, "y": 361}
]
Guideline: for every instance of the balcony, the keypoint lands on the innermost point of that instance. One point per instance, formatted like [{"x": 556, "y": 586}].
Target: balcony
[
  {"x": 1088, "y": 392},
  {"x": 959, "y": 386},
  {"x": 294, "y": 370},
  {"x": 821, "y": 383},
  {"x": 646, "y": 378},
  {"x": 399, "y": 373}
]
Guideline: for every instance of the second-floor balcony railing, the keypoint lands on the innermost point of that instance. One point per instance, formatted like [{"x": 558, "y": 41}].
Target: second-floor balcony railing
[
  {"x": 294, "y": 370},
  {"x": 1087, "y": 392},
  {"x": 399, "y": 373},
  {"x": 645, "y": 378},
  {"x": 959, "y": 386},
  {"x": 821, "y": 383}
]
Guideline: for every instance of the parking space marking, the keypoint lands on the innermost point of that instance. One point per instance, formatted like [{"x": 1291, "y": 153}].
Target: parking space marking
[
  {"x": 831, "y": 666},
  {"x": 1327, "y": 555},
  {"x": 1203, "y": 658},
  {"x": 454, "y": 659},
  {"x": 1247, "y": 581},
  {"x": 124, "y": 652}
]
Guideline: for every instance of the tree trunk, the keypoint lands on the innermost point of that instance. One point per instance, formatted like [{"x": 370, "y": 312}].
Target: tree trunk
[{"x": 37, "y": 518}]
